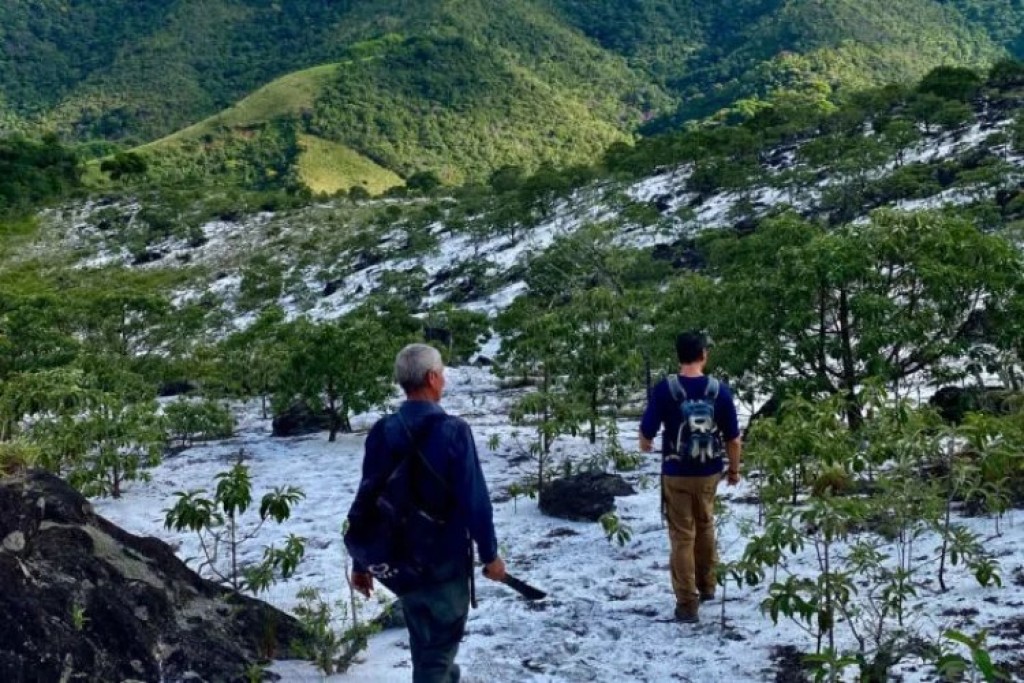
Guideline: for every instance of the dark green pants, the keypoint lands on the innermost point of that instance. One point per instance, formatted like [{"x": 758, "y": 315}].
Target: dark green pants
[{"x": 436, "y": 617}]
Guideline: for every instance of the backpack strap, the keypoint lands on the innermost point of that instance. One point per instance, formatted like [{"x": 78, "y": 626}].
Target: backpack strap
[
  {"x": 712, "y": 389},
  {"x": 411, "y": 449},
  {"x": 675, "y": 387},
  {"x": 422, "y": 432}
]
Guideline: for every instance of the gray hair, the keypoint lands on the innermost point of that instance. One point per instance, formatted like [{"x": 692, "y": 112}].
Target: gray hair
[{"x": 413, "y": 363}]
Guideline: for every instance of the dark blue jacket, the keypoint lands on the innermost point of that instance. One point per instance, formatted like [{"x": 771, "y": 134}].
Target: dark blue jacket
[
  {"x": 663, "y": 410},
  {"x": 449, "y": 448}
]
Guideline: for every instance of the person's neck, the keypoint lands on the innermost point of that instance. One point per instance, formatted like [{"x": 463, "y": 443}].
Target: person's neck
[
  {"x": 691, "y": 369},
  {"x": 422, "y": 395}
]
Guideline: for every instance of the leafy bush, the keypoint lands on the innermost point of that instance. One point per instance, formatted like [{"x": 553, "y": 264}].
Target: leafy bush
[
  {"x": 331, "y": 650},
  {"x": 191, "y": 421},
  {"x": 17, "y": 456},
  {"x": 218, "y": 523}
]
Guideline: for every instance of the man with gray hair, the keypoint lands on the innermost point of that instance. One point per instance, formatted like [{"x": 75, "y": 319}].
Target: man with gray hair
[{"x": 450, "y": 486}]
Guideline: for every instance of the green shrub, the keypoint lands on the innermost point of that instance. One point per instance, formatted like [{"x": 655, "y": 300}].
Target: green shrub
[
  {"x": 17, "y": 456},
  {"x": 833, "y": 481},
  {"x": 192, "y": 421}
]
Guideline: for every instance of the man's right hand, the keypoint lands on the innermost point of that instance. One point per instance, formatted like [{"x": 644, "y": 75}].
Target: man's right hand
[
  {"x": 495, "y": 570},
  {"x": 362, "y": 582},
  {"x": 646, "y": 445}
]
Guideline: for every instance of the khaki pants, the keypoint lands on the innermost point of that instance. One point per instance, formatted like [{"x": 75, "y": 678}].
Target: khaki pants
[{"x": 690, "y": 509}]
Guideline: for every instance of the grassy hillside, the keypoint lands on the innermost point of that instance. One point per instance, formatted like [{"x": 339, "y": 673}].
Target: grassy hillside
[
  {"x": 327, "y": 167},
  {"x": 287, "y": 96}
]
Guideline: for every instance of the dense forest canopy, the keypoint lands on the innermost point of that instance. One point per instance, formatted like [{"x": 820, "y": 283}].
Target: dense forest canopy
[{"x": 127, "y": 70}]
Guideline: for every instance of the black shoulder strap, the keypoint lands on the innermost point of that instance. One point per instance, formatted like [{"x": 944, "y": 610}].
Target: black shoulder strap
[
  {"x": 403, "y": 449},
  {"x": 422, "y": 432}
]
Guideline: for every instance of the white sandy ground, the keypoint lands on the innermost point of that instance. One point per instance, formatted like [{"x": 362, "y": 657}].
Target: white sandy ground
[{"x": 607, "y": 615}]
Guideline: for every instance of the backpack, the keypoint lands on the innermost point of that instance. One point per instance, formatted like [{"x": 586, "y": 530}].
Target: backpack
[
  {"x": 698, "y": 438},
  {"x": 397, "y": 540}
]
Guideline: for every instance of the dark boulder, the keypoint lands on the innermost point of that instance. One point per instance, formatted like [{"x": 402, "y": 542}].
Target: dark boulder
[
  {"x": 953, "y": 403},
  {"x": 147, "y": 256},
  {"x": 84, "y": 600},
  {"x": 299, "y": 419},
  {"x": 583, "y": 497},
  {"x": 442, "y": 276},
  {"x": 683, "y": 254},
  {"x": 746, "y": 226},
  {"x": 177, "y": 387},
  {"x": 332, "y": 286}
]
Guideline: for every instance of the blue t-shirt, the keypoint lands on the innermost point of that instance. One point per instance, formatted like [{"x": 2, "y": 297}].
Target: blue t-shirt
[{"x": 663, "y": 411}]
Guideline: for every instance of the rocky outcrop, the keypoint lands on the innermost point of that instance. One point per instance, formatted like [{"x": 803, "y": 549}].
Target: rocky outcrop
[
  {"x": 953, "y": 403},
  {"x": 299, "y": 419},
  {"x": 83, "y": 600},
  {"x": 177, "y": 387},
  {"x": 583, "y": 497}
]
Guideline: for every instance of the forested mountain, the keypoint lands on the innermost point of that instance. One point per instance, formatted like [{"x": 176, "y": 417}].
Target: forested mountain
[
  {"x": 115, "y": 67},
  {"x": 455, "y": 87}
]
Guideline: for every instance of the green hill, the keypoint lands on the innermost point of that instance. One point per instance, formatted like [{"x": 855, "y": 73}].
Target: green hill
[
  {"x": 461, "y": 109},
  {"x": 459, "y": 87},
  {"x": 261, "y": 130},
  {"x": 444, "y": 105},
  {"x": 708, "y": 53}
]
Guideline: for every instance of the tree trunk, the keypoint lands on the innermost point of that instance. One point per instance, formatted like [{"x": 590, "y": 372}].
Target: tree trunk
[
  {"x": 593, "y": 417},
  {"x": 336, "y": 423},
  {"x": 854, "y": 419},
  {"x": 115, "y": 481},
  {"x": 234, "y": 553}
]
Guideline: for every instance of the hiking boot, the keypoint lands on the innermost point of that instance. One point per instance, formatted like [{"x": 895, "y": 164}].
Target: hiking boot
[
  {"x": 687, "y": 615},
  {"x": 707, "y": 597}
]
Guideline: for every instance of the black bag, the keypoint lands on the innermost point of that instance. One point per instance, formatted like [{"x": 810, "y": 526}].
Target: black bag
[{"x": 398, "y": 541}]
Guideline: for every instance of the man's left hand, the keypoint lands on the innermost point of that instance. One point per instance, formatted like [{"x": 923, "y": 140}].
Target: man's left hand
[{"x": 363, "y": 583}]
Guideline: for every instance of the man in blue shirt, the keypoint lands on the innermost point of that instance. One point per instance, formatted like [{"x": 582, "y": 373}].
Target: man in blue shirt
[
  {"x": 436, "y": 611},
  {"x": 699, "y": 419}
]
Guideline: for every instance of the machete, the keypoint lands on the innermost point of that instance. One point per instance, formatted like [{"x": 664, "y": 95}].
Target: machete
[{"x": 523, "y": 588}]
